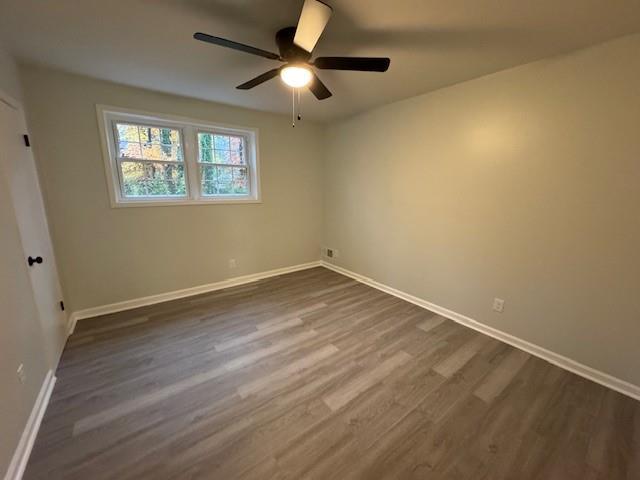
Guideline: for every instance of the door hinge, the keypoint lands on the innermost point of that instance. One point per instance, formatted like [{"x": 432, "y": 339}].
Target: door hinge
[
  {"x": 27, "y": 143},
  {"x": 61, "y": 305}
]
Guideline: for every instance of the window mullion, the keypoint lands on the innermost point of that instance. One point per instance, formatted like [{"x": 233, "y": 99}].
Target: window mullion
[{"x": 191, "y": 157}]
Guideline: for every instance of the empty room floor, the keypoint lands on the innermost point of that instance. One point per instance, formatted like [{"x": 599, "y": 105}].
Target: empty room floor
[{"x": 313, "y": 375}]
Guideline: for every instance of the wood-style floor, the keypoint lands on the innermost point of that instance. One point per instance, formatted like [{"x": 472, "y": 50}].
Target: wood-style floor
[{"x": 312, "y": 375}]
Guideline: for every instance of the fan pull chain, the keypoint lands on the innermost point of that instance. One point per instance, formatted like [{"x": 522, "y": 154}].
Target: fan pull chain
[{"x": 293, "y": 108}]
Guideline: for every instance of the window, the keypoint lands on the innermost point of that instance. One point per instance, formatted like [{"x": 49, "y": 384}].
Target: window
[
  {"x": 223, "y": 166},
  {"x": 161, "y": 160},
  {"x": 150, "y": 161}
]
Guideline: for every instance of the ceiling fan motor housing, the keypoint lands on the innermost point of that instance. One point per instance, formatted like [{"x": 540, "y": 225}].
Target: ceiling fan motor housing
[{"x": 289, "y": 51}]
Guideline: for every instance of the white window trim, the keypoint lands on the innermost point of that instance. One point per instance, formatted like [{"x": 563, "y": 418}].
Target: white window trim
[{"x": 189, "y": 129}]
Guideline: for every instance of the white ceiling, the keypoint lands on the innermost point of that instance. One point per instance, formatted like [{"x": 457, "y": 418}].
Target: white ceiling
[{"x": 431, "y": 43}]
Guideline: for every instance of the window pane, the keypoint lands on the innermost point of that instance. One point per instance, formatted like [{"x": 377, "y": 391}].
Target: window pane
[
  {"x": 236, "y": 143},
  {"x": 149, "y": 134},
  {"x": 149, "y": 143},
  {"x": 128, "y": 133},
  {"x": 130, "y": 150},
  {"x": 221, "y": 142},
  {"x": 240, "y": 181},
  {"x": 206, "y": 155},
  {"x": 221, "y": 149},
  {"x": 167, "y": 153},
  {"x": 236, "y": 158},
  {"x": 222, "y": 156},
  {"x": 224, "y": 180},
  {"x": 205, "y": 141},
  {"x": 148, "y": 179},
  {"x": 209, "y": 179}
]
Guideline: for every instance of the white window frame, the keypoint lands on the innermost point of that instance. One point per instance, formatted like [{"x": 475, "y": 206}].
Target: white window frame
[{"x": 189, "y": 129}]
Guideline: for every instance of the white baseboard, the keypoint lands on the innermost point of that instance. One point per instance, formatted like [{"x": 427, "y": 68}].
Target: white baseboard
[
  {"x": 176, "y": 294},
  {"x": 28, "y": 438},
  {"x": 561, "y": 361}
]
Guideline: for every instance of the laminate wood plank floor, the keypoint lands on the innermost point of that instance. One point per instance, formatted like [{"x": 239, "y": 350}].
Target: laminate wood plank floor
[{"x": 311, "y": 375}]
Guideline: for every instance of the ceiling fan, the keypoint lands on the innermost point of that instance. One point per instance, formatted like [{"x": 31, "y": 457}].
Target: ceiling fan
[{"x": 295, "y": 45}]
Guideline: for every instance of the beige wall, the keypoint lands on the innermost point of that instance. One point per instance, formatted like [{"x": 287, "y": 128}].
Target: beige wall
[
  {"x": 108, "y": 255},
  {"x": 522, "y": 185},
  {"x": 21, "y": 336},
  {"x": 9, "y": 79}
]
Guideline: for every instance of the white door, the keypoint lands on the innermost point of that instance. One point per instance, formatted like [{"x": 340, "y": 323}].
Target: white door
[{"x": 22, "y": 179}]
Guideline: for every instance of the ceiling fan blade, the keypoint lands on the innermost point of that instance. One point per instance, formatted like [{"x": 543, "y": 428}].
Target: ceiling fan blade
[
  {"x": 259, "y": 79},
  {"x": 363, "y": 64},
  {"x": 318, "y": 88},
  {"x": 313, "y": 20},
  {"x": 223, "y": 42}
]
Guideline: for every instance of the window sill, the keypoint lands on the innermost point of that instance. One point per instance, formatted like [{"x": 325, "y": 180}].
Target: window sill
[{"x": 179, "y": 203}]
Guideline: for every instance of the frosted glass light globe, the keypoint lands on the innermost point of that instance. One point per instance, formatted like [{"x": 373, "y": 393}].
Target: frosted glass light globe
[{"x": 295, "y": 77}]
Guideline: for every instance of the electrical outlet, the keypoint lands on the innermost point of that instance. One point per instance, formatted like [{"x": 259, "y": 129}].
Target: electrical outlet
[
  {"x": 498, "y": 305},
  {"x": 232, "y": 263},
  {"x": 22, "y": 375},
  {"x": 331, "y": 252}
]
